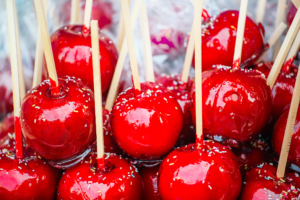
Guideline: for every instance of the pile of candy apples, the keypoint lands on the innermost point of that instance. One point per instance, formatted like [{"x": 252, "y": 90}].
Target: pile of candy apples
[{"x": 149, "y": 135}]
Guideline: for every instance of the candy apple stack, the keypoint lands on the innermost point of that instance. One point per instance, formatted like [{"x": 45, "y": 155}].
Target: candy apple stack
[
  {"x": 144, "y": 113},
  {"x": 57, "y": 116},
  {"x": 100, "y": 176},
  {"x": 198, "y": 170},
  {"x": 23, "y": 175}
]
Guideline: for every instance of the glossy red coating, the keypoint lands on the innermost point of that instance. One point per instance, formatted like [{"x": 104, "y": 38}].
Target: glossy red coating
[
  {"x": 264, "y": 67},
  {"x": 73, "y": 55},
  {"x": 261, "y": 183},
  {"x": 59, "y": 127},
  {"x": 218, "y": 41},
  {"x": 236, "y": 105},
  {"x": 149, "y": 176},
  {"x": 253, "y": 154},
  {"x": 7, "y": 133},
  {"x": 278, "y": 134},
  {"x": 6, "y": 96},
  {"x": 208, "y": 173},
  {"x": 26, "y": 179},
  {"x": 148, "y": 125},
  {"x": 85, "y": 181},
  {"x": 181, "y": 92},
  {"x": 18, "y": 137}
]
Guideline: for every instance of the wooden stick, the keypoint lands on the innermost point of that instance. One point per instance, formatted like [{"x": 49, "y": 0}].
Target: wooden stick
[
  {"x": 47, "y": 47},
  {"x": 188, "y": 56},
  {"x": 97, "y": 93},
  {"x": 198, "y": 67},
  {"x": 15, "y": 62},
  {"x": 87, "y": 16},
  {"x": 112, "y": 93},
  {"x": 260, "y": 10},
  {"x": 289, "y": 129},
  {"x": 144, "y": 25},
  {"x": 284, "y": 49},
  {"x": 274, "y": 37},
  {"x": 75, "y": 12},
  {"x": 121, "y": 31},
  {"x": 240, "y": 34},
  {"x": 39, "y": 54},
  {"x": 296, "y": 3},
  {"x": 294, "y": 49},
  {"x": 280, "y": 16},
  {"x": 130, "y": 43}
]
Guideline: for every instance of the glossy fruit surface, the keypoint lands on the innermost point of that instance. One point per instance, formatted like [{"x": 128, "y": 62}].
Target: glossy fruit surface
[
  {"x": 218, "y": 41},
  {"x": 59, "y": 127},
  {"x": 73, "y": 55},
  {"x": 149, "y": 176},
  {"x": 84, "y": 181},
  {"x": 7, "y": 133},
  {"x": 236, "y": 105},
  {"x": 29, "y": 178},
  {"x": 208, "y": 173},
  {"x": 146, "y": 124},
  {"x": 261, "y": 183}
]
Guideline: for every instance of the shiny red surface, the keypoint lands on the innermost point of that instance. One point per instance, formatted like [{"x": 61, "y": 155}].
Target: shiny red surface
[
  {"x": 6, "y": 96},
  {"x": 278, "y": 134},
  {"x": 149, "y": 176},
  {"x": 146, "y": 126},
  {"x": 60, "y": 127},
  {"x": 261, "y": 183},
  {"x": 18, "y": 138},
  {"x": 249, "y": 156},
  {"x": 208, "y": 173},
  {"x": 27, "y": 179},
  {"x": 103, "y": 12},
  {"x": 218, "y": 41},
  {"x": 86, "y": 181},
  {"x": 264, "y": 67},
  {"x": 7, "y": 133},
  {"x": 236, "y": 105},
  {"x": 181, "y": 92},
  {"x": 73, "y": 55}
]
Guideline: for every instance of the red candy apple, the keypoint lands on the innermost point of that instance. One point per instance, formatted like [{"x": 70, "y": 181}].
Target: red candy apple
[
  {"x": 236, "y": 105},
  {"x": 146, "y": 124},
  {"x": 218, "y": 41},
  {"x": 6, "y": 97},
  {"x": 150, "y": 177},
  {"x": 59, "y": 127},
  {"x": 211, "y": 172},
  {"x": 262, "y": 183},
  {"x": 181, "y": 92},
  {"x": 73, "y": 55},
  {"x": 119, "y": 180},
  {"x": 29, "y": 178}
]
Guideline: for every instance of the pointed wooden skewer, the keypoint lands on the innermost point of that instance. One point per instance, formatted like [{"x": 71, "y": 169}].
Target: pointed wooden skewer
[
  {"x": 122, "y": 56},
  {"x": 294, "y": 50},
  {"x": 274, "y": 37},
  {"x": 12, "y": 26},
  {"x": 284, "y": 49},
  {"x": 198, "y": 67},
  {"x": 55, "y": 89},
  {"x": 260, "y": 10},
  {"x": 121, "y": 31},
  {"x": 144, "y": 25},
  {"x": 280, "y": 16},
  {"x": 240, "y": 34},
  {"x": 39, "y": 54},
  {"x": 87, "y": 16},
  {"x": 130, "y": 43},
  {"x": 188, "y": 56},
  {"x": 21, "y": 73},
  {"x": 97, "y": 93},
  {"x": 289, "y": 129},
  {"x": 75, "y": 12}
]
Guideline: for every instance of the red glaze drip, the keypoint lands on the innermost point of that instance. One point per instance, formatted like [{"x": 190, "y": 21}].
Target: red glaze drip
[
  {"x": 19, "y": 140},
  {"x": 55, "y": 89},
  {"x": 149, "y": 176},
  {"x": 236, "y": 105},
  {"x": 146, "y": 126},
  {"x": 85, "y": 30},
  {"x": 73, "y": 55},
  {"x": 261, "y": 183},
  {"x": 236, "y": 64},
  {"x": 208, "y": 173},
  {"x": 119, "y": 180},
  {"x": 288, "y": 64},
  {"x": 58, "y": 128},
  {"x": 101, "y": 164},
  {"x": 30, "y": 178}
]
